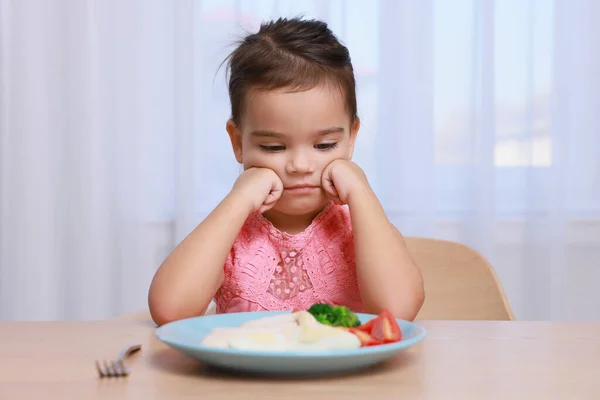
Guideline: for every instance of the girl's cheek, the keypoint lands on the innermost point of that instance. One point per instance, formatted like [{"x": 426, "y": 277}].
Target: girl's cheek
[
  {"x": 251, "y": 156},
  {"x": 258, "y": 161}
]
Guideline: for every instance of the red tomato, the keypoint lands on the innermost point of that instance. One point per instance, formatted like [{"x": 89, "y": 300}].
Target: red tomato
[
  {"x": 364, "y": 337},
  {"x": 367, "y": 326},
  {"x": 386, "y": 329}
]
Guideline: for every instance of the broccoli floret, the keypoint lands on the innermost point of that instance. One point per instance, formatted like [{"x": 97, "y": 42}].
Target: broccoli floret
[
  {"x": 345, "y": 317},
  {"x": 334, "y": 315},
  {"x": 322, "y": 313}
]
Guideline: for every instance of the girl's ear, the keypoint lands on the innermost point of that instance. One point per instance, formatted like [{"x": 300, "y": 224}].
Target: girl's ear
[
  {"x": 353, "y": 132},
  {"x": 236, "y": 139}
]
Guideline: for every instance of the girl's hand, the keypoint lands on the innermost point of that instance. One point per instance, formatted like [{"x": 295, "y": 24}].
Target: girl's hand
[
  {"x": 260, "y": 188},
  {"x": 342, "y": 178}
]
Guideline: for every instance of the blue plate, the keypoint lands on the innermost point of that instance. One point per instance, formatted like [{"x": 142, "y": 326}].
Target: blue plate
[{"x": 186, "y": 336}]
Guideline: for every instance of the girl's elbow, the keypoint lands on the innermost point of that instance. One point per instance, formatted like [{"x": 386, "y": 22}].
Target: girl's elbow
[
  {"x": 408, "y": 308},
  {"x": 163, "y": 309},
  {"x": 418, "y": 302},
  {"x": 417, "y": 299},
  {"x": 161, "y": 314},
  {"x": 161, "y": 319}
]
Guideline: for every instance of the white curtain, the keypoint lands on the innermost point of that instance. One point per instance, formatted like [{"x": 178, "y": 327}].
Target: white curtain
[{"x": 480, "y": 120}]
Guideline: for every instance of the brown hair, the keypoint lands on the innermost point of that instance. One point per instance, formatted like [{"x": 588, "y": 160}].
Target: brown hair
[{"x": 289, "y": 53}]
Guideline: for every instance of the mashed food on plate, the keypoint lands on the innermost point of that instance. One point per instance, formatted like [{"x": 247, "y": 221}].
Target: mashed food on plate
[{"x": 286, "y": 332}]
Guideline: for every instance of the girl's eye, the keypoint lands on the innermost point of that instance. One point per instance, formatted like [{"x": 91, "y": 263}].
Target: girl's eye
[
  {"x": 326, "y": 146},
  {"x": 272, "y": 148}
]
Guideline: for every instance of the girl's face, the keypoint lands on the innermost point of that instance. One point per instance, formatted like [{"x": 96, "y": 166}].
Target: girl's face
[{"x": 295, "y": 134}]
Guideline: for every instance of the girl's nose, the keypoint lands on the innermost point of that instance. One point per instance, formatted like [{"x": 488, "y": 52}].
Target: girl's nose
[{"x": 299, "y": 163}]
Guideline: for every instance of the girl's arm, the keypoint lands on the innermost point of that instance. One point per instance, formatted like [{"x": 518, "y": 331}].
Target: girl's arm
[
  {"x": 388, "y": 278},
  {"x": 190, "y": 276}
]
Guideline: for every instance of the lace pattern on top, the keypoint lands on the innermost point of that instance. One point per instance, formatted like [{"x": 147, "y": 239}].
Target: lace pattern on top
[
  {"x": 290, "y": 276},
  {"x": 272, "y": 270}
]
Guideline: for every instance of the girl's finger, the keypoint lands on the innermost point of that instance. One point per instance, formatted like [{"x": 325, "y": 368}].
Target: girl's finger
[
  {"x": 271, "y": 198},
  {"x": 336, "y": 200},
  {"x": 328, "y": 185}
]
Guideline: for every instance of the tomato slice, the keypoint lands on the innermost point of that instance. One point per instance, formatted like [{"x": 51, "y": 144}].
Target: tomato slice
[
  {"x": 386, "y": 329},
  {"x": 367, "y": 326},
  {"x": 364, "y": 337}
]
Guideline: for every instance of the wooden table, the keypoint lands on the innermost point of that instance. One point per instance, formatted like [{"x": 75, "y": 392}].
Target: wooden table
[{"x": 458, "y": 360}]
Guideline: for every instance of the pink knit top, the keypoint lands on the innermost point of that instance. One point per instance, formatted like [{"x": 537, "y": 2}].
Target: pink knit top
[{"x": 269, "y": 270}]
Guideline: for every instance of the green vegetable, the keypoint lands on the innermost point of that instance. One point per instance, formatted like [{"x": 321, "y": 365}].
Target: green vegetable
[{"x": 334, "y": 315}]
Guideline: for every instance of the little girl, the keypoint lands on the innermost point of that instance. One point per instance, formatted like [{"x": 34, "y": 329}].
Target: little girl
[{"x": 301, "y": 224}]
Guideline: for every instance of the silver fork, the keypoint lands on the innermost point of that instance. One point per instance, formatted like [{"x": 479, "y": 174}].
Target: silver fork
[{"x": 117, "y": 367}]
